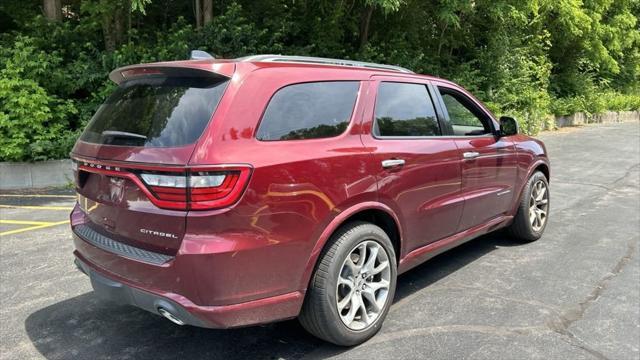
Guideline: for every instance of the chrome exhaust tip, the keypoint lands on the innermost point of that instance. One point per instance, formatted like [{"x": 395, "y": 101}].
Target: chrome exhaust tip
[{"x": 164, "y": 312}]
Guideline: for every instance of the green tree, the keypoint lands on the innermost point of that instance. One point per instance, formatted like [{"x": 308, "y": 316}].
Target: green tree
[{"x": 528, "y": 58}]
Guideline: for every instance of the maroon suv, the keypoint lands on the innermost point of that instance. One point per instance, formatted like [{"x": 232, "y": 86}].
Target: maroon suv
[{"x": 224, "y": 193}]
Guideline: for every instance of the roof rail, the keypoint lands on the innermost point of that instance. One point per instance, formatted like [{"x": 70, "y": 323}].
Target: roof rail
[{"x": 322, "y": 61}]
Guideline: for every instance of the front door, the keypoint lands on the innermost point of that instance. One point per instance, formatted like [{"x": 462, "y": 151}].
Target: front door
[{"x": 489, "y": 163}]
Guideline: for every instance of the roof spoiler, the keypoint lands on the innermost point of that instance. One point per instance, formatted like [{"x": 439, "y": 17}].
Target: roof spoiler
[{"x": 174, "y": 69}]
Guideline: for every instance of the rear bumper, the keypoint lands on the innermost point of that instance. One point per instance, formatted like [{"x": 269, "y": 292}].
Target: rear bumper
[
  {"x": 219, "y": 281},
  {"x": 260, "y": 311}
]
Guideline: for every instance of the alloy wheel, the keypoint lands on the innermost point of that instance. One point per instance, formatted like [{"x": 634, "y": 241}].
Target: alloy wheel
[
  {"x": 363, "y": 285},
  {"x": 538, "y": 205}
]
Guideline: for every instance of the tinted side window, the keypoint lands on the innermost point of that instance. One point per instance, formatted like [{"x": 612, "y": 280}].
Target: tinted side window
[
  {"x": 463, "y": 119},
  {"x": 404, "y": 109},
  {"x": 309, "y": 111}
]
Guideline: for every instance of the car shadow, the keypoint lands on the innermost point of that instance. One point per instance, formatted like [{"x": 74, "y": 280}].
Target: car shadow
[
  {"x": 449, "y": 262},
  {"x": 87, "y": 327}
]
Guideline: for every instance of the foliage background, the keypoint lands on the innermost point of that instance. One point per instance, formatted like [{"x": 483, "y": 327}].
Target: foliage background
[{"x": 528, "y": 58}]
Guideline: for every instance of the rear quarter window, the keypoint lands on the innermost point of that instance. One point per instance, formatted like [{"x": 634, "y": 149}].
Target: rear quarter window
[
  {"x": 309, "y": 111},
  {"x": 156, "y": 112}
]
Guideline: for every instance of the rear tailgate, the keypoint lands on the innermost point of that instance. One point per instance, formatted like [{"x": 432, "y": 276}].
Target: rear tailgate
[{"x": 147, "y": 129}]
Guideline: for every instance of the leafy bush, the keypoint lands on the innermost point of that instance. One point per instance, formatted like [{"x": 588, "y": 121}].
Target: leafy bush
[
  {"x": 33, "y": 123},
  {"x": 596, "y": 103},
  {"x": 612, "y": 101}
]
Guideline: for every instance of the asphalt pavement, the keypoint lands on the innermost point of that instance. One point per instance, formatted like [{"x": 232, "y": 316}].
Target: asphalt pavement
[{"x": 574, "y": 294}]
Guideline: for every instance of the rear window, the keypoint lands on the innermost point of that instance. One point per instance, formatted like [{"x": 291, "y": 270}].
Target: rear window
[
  {"x": 309, "y": 111},
  {"x": 158, "y": 112}
]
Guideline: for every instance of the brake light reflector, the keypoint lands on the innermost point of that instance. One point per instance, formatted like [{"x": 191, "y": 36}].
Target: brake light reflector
[
  {"x": 127, "y": 74},
  {"x": 170, "y": 194}
]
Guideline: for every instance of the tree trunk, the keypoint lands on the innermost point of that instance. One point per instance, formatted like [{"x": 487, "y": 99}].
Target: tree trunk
[
  {"x": 441, "y": 40},
  {"x": 115, "y": 23},
  {"x": 107, "y": 32},
  {"x": 198, "y": 13},
  {"x": 53, "y": 10},
  {"x": 207, "y": 11},
  {"x": 119, "y": 25},
  {"x": 364, "y": 25}
]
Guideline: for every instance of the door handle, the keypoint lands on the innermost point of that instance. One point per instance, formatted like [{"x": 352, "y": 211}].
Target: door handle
[
  {"x": 392, "y": 163},
  {"x": 469, "y": 155}
]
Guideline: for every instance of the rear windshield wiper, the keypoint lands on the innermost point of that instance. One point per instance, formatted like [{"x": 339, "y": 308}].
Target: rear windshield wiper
[{"x": 123, "y": 134}]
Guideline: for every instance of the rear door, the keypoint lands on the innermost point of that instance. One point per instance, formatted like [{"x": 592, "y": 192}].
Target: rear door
[
  {"x": 489, "y": 163},
  {"x": 130, "y": 160},
  {"x": 419, "y": 169}
]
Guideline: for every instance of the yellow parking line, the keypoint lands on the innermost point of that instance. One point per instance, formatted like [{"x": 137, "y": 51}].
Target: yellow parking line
[
  {"x": 38, "y": 195},
  {"x": 36, "y": 207},
  {"x": 36, "y": 227},
  {"x": 21, "y": 222}
]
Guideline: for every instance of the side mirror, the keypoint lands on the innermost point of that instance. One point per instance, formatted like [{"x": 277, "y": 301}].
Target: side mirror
[{"x": 508, "y": 126}]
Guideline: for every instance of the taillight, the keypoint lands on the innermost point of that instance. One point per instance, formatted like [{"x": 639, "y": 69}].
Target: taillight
[
  {"x": 214, "y": 189},
  {"x": 198, "y": 188}
]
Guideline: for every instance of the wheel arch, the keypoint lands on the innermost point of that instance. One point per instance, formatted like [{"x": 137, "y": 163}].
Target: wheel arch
[
  {"x": 374, "y": 212},
  {"x": 541, "y": 165},
  {"x": 383, "y": 220}
]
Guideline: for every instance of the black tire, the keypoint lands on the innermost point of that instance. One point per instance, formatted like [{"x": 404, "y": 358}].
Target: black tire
[
  {"x": 521, "y": 228},
  {"x": 319, "y": 313}
]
